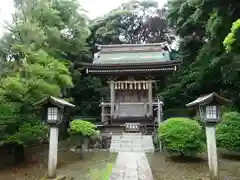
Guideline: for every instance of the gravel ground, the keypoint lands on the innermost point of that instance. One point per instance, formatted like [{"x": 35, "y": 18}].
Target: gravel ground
[
  {"x": 69, "y": 163},
  {"x": 162, "y": 165},
  {"x": 165, "y": 167}
]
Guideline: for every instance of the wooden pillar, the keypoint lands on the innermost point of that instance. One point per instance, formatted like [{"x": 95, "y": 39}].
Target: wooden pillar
[
  {"x": 117, "y": 109},
  {"x": 159, "y": 113},
  {"x": 112, "y": 96},
  {"x": 103, "y": 113},
  {"x": 212, "y": 152},
  {"x": 150, "y": 97},
  {"x": 53, "y": 152},
  {"x": 145, "y": 109}
]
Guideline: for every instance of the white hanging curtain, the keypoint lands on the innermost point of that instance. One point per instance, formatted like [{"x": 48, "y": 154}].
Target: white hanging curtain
[
  {"x": 122, "y": 85},
  {"x": 131, "y": 85},
  {"x": 126, "y": 85},
  {"x": 139, "y": 86},
  {"x": 144, "y": 85}
]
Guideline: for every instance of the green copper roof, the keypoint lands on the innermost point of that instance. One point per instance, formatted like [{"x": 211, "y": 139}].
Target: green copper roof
[{"x": 132, "y": 57}]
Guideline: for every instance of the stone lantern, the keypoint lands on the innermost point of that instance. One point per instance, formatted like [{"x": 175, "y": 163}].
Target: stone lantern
[
  {"x": 53, "y": 112},
  {"x": 208, "y": 107}
]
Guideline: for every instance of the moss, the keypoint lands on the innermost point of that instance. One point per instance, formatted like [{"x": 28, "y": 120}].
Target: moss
[{"x": 102, "y": 174}]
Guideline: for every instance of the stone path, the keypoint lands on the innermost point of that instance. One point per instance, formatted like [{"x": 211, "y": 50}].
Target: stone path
[{"x": 131, "y": 166}]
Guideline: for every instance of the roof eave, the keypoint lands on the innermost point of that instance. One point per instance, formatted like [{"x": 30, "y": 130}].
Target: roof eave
[
  {"x": 55, "y": 101},
  {"x": 165, "y": 63},
  {"x": 207, "y": 99}
]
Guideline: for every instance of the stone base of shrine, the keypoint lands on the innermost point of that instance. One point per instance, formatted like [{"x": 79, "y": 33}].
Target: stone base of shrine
[{"x": 121, "y": 128}]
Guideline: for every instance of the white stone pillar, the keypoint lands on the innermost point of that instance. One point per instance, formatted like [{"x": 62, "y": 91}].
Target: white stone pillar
[
  {"x": 159, "y": 122},
  {"x": 150, "y": 97},
  {"x": 53, "y": 152},
  {"x": 212, "y": 151},
  {"x": 112, "y": 96}
]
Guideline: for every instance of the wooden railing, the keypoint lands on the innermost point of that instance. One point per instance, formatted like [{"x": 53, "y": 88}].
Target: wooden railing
[
  {"x": 128, "y": 109},
  {"x": 154, "y": 99}
]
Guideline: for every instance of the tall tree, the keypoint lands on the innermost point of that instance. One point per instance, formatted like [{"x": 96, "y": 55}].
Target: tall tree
[
  {"x": 209, "y": 67},
  {"x": 133, "y": 22},
  {"x": 45, "y": 38}
]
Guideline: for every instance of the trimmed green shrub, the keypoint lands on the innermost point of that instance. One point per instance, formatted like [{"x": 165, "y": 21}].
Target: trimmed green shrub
[
  {"x": 81, "y": 132},
  {"x": 182, "y": 136},
  {"x": 84, "y": 128},
  {"x": 228, "y": 132}
]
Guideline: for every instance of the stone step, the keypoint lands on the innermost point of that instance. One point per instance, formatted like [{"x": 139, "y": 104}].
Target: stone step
[
  {"x": 128, "y": 138},
  {"x": 136, "y": 144},
  {"x": 131, "y": 143},
  {"x": 131, "y": 149},
  {"x": 140, "y": 142},
  {"x": 128, "y": 146},
  {"x": 131, "y": 146},
  {"x": 131, "y": 137}
]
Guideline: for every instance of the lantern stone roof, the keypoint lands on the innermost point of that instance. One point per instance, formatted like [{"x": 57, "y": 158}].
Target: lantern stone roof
[
  {"x": 207, "y": 99},
  {"x": 132, "y": 58},
  {"x": 54, "y": 101}
]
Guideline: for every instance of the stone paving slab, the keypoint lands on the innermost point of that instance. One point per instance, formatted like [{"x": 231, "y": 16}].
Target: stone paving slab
[
  {"x": 131, "y": 143},
  {"x": 131, "y": 166}
]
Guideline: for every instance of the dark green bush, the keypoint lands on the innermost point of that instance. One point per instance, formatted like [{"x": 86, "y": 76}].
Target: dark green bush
[
  {"x": 29, "y": 134},
  {"x": 179, "y": 112},
  {"x": 182, "y": 136},
  {"x": 228, "y": 132}
]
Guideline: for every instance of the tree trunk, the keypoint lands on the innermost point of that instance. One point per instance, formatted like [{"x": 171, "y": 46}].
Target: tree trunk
[{"x": 19, "y": 153}]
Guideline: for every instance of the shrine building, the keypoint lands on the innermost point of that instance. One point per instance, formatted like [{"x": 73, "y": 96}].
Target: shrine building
[{"x": 131, "y": 72}]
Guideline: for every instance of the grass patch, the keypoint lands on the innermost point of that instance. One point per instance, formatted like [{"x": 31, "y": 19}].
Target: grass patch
[{"x": 102, "y": 174}]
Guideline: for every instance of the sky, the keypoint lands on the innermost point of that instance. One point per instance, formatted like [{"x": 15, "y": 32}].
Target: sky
[{"x": 94, "y": 8}]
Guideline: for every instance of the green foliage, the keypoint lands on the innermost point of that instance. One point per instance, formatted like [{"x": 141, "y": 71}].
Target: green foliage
[
  {"x": 195, "y": 2},
  {"x": 203, "y": 27},
  {"x": 232, "y": 37},
  {"x": 29, "y": 134},
  {"x": 134, "y": 22},
  {"x": 87, "y": 93},
  {"x": 179, "y": 112},
  {"x": 82, "y": 128},
  {"x": 214, "y": 24},
  {"x": 228, "y": 132},
  {"x": 36, "y": 56},
  {"x": 182, "y": 136}
]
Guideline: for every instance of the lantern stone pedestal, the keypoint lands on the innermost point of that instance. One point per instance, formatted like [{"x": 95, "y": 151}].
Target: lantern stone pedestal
[
  {"x": 159, "y": 117},
  {"x": 212, "y": 151},
  {"x": 53, "y": 152},
  {"x": 58, "y": 178}
]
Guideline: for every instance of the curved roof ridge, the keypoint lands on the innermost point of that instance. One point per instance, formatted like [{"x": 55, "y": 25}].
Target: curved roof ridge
[{"x": 132, "y": 45}]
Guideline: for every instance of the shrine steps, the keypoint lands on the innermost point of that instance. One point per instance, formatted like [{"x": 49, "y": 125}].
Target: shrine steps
[{"x": 131, "y": 142}]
